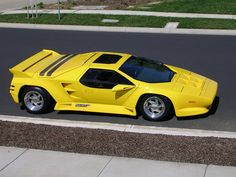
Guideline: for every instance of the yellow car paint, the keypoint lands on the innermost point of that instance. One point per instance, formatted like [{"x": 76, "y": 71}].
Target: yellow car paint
[{"x": 190, "y": 93}]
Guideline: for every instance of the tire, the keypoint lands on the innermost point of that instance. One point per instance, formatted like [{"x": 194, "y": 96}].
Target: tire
[
  {"x": 155, "y": 107},
  {"x": 37, "y": 100}
]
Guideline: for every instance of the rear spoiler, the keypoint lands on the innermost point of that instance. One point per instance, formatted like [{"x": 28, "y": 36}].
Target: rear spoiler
[{"x": 20, "y": 70}]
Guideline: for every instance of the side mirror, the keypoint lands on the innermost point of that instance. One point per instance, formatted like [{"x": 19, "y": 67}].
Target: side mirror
[{"x": 121, "y": 87}]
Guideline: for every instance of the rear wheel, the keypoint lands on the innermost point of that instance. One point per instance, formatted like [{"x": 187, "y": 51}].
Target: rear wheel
[
  {"x": 155, "y": 107},
  {"x": 36, "y": 100}
]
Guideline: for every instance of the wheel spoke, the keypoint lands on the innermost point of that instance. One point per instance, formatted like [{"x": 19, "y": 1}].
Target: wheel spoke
[
  {"x": 33, "y": 100},
  {"x": 154, "y": 107},
  {"x": 152, "y": 102}
]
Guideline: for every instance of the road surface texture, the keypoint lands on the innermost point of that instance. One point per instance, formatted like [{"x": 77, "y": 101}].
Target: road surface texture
[{"x": 211, "y": 56}]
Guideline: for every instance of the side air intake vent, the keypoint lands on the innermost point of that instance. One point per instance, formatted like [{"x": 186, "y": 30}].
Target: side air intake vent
[{"x": 70, "y": 89}]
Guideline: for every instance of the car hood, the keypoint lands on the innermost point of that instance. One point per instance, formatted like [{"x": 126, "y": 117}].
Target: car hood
[{"x": 188, "y": 82}]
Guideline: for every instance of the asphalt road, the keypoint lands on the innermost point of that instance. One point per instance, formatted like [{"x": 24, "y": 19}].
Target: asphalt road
[{"x": 212, "y": 56}]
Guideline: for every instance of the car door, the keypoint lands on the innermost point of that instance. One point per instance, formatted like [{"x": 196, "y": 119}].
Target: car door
[{"x": 97, "y": 86}]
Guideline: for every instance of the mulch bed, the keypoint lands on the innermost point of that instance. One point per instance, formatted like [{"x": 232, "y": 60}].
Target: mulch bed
[
  {"x": 207, "y": 150},
  {"x": 112, "y": 4}
]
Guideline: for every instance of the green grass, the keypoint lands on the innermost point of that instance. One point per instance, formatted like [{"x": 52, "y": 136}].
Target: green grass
[
  {"x": 130, "y": 21},
  {"x": 195, "y": 6},
  {"x": 207, "y": 23},
  {"x": 94, "y": 20}
]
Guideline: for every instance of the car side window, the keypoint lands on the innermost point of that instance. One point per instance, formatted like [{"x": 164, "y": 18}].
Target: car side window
[{"x": 100, "y": 78}]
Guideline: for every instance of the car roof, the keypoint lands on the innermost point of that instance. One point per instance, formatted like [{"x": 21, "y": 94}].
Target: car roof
[{"x": 89, "y": 60}]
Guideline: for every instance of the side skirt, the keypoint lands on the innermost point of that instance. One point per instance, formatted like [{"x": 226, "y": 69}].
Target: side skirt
[{"x": 92, "y": 107}]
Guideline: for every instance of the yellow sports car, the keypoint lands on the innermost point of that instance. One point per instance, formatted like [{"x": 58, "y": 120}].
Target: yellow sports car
[{"x": 108, "y": 82}]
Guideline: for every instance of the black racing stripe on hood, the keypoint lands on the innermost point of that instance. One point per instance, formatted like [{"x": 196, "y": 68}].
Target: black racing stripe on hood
[
  {"x": 51, "y": 65},
  {"x": 50, "y": 72}
]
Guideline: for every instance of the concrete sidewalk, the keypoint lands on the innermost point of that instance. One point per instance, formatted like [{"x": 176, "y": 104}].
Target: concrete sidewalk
[
  {"x": 128, "y": 12},
  {"x": 17, "y": 4},
  {"x": 19, "y": 162}
]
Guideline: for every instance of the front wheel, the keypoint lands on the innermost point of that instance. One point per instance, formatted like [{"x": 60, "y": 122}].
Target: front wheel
[
  {"x": 36, "y": 100},
  {"x": 155, "y": 107}
]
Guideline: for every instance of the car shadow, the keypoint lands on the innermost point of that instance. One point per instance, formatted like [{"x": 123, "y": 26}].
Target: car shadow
[{"x": 212, "y": 111}]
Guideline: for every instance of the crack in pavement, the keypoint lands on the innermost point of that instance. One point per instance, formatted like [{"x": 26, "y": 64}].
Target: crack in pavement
[
  {"x": 13, "y": 160},
  {"x": 104, "y": 167},
  {"x": 206, "y": 170}
]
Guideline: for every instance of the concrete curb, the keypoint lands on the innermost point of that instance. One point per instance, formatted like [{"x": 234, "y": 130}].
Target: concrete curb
[
  {"x": 119, "y": 29},
  {"x": 121, "y": 127}
]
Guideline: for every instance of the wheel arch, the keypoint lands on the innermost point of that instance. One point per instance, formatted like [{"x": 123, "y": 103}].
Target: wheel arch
[
  {"x": 145, "y": 94},
  {"x": 27, "y": 86}
]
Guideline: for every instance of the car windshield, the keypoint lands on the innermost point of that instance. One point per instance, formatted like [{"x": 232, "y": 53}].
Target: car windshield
[{"x": 147, "y": 70}]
